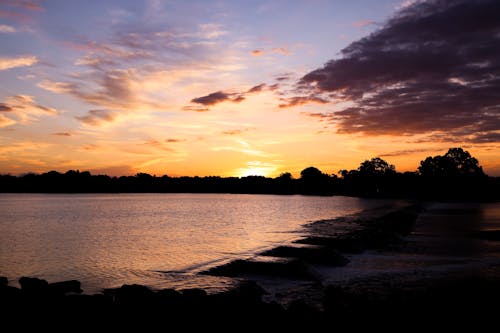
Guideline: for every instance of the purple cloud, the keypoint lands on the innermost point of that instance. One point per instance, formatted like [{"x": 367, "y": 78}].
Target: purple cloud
[
  {"x": 257, "y": 88},
  {"x": 433, "y": 67},
  {"x": 301, "y": 100},
  {"x": 212, "y": 99},
  {"x": 97, "y": 117}
]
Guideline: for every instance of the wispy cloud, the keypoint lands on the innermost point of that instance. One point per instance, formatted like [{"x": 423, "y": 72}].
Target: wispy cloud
[
  {"x": 281, "y": 50},
  {"x": 257, "y": 88},
  {"x": 20, "y": 10},
  {"x": 62, "y": 134},
  {"x": 363, "y": 23},
  {"x": 7, "y": 29},
  {"x": 22, "y": 109},
  {"x": 13, "y": 62},
  {"x": 25, "y": 4},
  {"x": 211, "y": 30},
  {"x": 276, "y": 50},
  {"x": 97, "y": 117},
  {"x": 301, "y": 100},
  {"x": 6, "y": 121},
  {"x": 257, "y": 53},
  {"x": 172, "y": 140},
  {"x": 221, "y": 96}
]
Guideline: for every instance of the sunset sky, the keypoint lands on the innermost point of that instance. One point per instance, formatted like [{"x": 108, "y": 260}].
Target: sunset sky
[{"x": 236, "y": 88}]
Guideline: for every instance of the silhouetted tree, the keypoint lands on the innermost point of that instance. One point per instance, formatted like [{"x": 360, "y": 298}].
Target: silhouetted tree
[
  {"x": 376, "y": 167},
  {"x": 454, "y": 176},
  {"x": 311, "y": 173},
  {"x": 313, "y": 181},
  {"x": 285, "y": 176},
  {"x": 456, "y": 162}
]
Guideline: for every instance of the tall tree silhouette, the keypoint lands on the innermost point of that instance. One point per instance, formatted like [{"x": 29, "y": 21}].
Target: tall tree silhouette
[{"x": 456, "y": 162}]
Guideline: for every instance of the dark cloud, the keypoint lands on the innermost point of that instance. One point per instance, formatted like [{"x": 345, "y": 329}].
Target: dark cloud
[
  {"x": 212, "y": 99},
  {"x": 301, "y": 100},
  {"x": 62, "y": 134},
  {"x": 433, "y": 67},
  {"x": 98, "y": 117},
  {"x": 273, "y": 87},
  {"x": 318, "y": 115},
  {"x": 257, "y": 88},
  {"x": 282, "y": 78},
  {"x": 238, "y": 99},
  {"x": 171, "y": 140},
  {"x": 215, "y": 98},
  {"x": 408, "y": 152},
  {"x": 5, "y": 108},
  {"x": 221, "y": 96}
]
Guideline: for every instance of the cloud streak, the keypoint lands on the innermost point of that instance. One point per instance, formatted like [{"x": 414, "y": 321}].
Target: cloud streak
[
  {"x": 433, "y": 67},
  {"x": 216, "y": 98},
  {"x": 7, "y": 29},
  {"x": 301, "y": 100},
  {"x": 22, "y": 109},
  {"x": 98, "y": 117},
  {"x": 221, "y": 96},
  {"x": 13, "y": 62}
]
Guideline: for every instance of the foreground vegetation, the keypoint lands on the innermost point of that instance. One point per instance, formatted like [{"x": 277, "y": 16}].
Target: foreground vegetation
[{"x": 454, "y": 176}]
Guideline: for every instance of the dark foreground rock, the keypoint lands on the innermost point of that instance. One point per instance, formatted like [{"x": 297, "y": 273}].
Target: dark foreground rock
[
  {"x": 316, "y": 254},
  {"x": 448, "y": 302},
  {"x": 490, "y": 235},
  {"x": 280, "y": 267}
]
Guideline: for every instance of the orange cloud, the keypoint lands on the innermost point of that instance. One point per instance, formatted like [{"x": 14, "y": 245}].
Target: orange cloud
[
  {"x": 5, "y": 121},
  {"x": 257, "y": 53},
  {"x": 22, "y": 61},
  {"x": 22, "y": 108},
  {"x": 301, "y": 100}
]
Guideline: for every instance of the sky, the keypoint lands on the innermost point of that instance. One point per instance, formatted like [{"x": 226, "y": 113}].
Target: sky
[{"x": 238, "y": 88}]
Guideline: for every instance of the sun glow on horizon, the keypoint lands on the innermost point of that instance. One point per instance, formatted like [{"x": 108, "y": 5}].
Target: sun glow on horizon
[{"x": 256, "y": 168}]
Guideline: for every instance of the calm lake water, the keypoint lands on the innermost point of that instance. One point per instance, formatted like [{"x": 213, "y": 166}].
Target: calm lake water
[{"x": 161, "y": 240}]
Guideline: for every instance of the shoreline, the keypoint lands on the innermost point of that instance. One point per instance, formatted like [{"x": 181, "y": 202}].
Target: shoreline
[{"x": 376, "y": 265}]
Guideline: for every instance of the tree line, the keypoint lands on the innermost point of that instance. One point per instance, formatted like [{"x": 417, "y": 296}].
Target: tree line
[{"x": 455, "y": 175}]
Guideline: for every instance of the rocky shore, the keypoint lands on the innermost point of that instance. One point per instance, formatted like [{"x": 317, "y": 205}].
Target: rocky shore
[{"x": 303, "y": 295}]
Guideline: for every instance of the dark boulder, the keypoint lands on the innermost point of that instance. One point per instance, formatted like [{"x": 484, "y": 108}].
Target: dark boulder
[
  {"x": 33, "y": 285},
  {"x": 3, "y": 281},
  {"x": 65, "y": 287}
]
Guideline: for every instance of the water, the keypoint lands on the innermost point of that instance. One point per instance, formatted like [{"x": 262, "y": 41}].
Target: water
[{"x": 106, "y": 240}]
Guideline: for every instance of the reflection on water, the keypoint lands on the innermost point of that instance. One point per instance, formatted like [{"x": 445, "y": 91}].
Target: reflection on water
[{"x": 105, "y": 240}]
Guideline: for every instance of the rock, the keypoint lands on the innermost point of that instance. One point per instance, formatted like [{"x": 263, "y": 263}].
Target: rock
[
  {"x": 3, "y": 281},
  {"x": 64, "y": 287},
  {"x": 194, "y": 294},
  {"x": 319, "y": 255},
  {"x": 490, "y": 235},
  {"x": 33, "y": 285},
  {"x": 292, "y": 268},
  {"x": 134, "y": 295}
]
